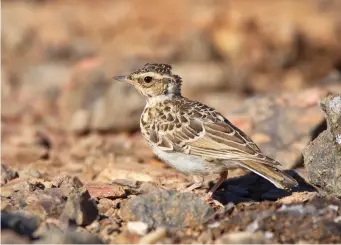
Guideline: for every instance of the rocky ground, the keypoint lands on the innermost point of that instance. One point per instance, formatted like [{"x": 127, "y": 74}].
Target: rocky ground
[
  {"x": 74, "y": 168},
  {"x": 102, "y": 187}
]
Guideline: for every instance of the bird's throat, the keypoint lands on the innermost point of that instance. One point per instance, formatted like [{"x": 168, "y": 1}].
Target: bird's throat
[{"x": 157, "y": 99}]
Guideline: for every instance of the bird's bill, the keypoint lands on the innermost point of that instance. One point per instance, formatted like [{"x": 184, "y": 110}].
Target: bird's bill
[{"x": 121, "y": 78}]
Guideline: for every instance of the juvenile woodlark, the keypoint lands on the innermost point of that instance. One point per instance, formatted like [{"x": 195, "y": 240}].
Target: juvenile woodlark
[{"x": 192, "y": 137}]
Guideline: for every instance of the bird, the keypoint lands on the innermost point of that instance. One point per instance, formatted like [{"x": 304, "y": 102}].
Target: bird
[{"x": 192, "y": 137}]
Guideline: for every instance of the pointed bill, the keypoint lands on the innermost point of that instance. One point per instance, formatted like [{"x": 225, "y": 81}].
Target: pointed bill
[{"x": 121, "y": 78}]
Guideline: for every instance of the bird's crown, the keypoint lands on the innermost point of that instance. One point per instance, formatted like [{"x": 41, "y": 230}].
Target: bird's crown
[{"x": 157, "y": 68}]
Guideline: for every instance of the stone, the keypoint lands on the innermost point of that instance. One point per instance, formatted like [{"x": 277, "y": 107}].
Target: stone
[
  {"x": 33, "y": 173},
  {"x": 322, "y": 158},
  {"x": 147, "y": 187},
  {"x": 109, "y": 229},
  {"x": 46, "y": 203},
  {"x": 80, "y": 208},
  {"x": 67, "y": 184},
  {"x": 298, "y": 197},
  {"x": 104, "y": 204},
  {"x": 14, "y": 186},
  {"x": 36, "y": 197},
  {"x": 167, "y": 208},
  {"x": 22, "y": 223},
  {"x": 106, "y": 191},
  {"x": 331, "y": 105},
  {"x": 7, "y": 174},
  {"x": 127, "y": 182},
  {"x": 137, "y": 227}
]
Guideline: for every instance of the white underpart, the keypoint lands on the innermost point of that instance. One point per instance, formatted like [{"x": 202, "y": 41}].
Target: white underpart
[{"x": 182, "y": 162}]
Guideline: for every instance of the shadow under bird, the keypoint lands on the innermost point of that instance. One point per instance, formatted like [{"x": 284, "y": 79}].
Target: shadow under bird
[{"x": 192, "y": 137}]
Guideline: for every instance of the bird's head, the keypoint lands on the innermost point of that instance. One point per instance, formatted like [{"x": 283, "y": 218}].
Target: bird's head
[{"x": 154, "y": 80}]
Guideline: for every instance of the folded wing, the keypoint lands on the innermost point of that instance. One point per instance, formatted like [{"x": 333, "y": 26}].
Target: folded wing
[{"x": 214, "y": 137}]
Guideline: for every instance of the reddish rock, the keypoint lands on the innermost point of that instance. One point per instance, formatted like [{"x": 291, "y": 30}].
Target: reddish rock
[{"x": 106, "y": 191}]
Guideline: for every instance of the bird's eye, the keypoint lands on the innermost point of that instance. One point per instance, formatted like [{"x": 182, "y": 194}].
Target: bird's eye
[{"x": 148, "y": 79}]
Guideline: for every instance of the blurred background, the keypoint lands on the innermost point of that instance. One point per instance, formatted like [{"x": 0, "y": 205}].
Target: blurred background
[
  {"x": 66, "y": 123},
  {"x": 264, "y": 64}
]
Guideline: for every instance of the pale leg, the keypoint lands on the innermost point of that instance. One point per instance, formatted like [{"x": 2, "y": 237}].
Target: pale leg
[
  {"x": 222, "y": 178},
  {"x": 195, "y": 185}
]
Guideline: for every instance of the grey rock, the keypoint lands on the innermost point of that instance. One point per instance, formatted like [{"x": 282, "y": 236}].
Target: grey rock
[
  {"x": 147, "y": 187},
  {"x": 67, "y": 184},
  {"x": 167, "y": 208},
  {"x": 35, "y": 197},
  {"x": 332, "y": 108},
  {"x": 92, "y": 101},
  {"x": 47, "y": 202},
  {"x": 80, "y": 208},
  {"x": 7, "y": 174},
  {"x": 269, "y": 121},
  {"x": 22, "y": 223},
  {"x": 34, "y": 173},
  {"x": 322, "y": 158}
]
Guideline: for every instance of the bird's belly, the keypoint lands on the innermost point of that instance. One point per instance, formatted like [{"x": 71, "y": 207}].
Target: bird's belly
[{"x": 183, "y": 162}]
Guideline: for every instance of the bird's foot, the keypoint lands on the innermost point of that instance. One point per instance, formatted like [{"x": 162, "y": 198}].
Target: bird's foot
[{"x": 195, "y": 185}]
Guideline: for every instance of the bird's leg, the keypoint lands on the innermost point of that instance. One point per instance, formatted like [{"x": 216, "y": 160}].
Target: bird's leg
[
  {"x": 195, "y": 185},
  {"x": 222, "y": 178}
]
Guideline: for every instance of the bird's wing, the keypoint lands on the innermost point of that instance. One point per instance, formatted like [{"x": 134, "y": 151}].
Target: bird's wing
[{"x": 200, "y": 130}]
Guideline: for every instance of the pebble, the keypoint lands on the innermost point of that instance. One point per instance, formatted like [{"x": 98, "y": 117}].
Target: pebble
[{"x": 137, "y": 227}]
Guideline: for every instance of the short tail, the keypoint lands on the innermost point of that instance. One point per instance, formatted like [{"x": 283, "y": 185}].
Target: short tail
[{"x": 274, "y": 175}]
